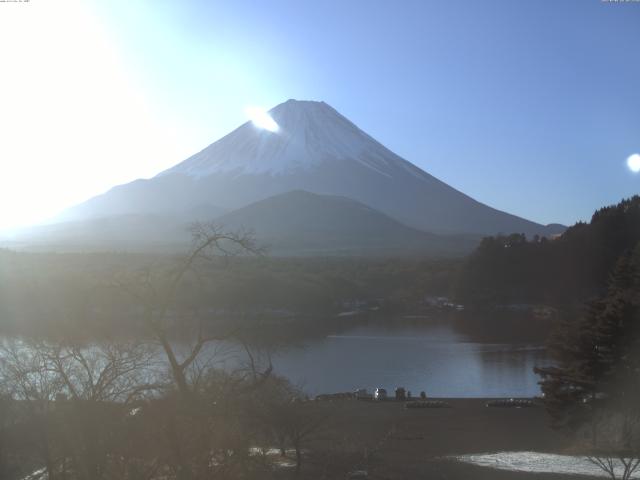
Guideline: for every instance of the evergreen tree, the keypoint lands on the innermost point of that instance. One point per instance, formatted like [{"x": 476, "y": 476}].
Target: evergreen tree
[
  {"x": 565, "y": 270},
  {"x": 597, "y": 368}
]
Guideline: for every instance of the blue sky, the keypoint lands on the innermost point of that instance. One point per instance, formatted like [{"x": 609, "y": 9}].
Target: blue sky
[{"x": 531, "y": 106}]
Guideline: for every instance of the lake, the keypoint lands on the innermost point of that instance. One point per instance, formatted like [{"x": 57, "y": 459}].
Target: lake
[
  {"x": 440, "y": 357},
  {"x": 430, "y": 357}
]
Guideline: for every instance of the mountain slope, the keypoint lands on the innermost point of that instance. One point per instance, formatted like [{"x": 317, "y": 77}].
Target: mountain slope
[
  {"x": 300, "y": 222},
  {"x": 294, "y": 223},
  {"x": 315, "y": 149}
]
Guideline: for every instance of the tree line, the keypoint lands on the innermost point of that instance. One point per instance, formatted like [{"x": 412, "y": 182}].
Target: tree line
[{"x": 569, "y": 269}]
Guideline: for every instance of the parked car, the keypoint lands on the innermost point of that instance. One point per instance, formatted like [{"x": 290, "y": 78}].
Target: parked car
[
  {"x": 380, "y": 394},
  {"x": 362, "y": 394}
]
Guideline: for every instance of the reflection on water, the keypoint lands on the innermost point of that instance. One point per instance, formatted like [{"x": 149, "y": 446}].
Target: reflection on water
[{"x": 432, "y": 358}]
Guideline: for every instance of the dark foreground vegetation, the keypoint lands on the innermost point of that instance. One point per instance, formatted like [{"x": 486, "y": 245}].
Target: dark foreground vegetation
[
  {"x": 241, "y": 426},
  {"x": 593, "y": 391},
  {"x": 112, "y": 412}
]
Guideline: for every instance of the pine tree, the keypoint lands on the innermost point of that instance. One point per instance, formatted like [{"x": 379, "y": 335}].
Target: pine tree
[
  {"x": 571, "y": 386},
  {"x": 618, "y": 333},
  {"x": 597, "y": 367}
]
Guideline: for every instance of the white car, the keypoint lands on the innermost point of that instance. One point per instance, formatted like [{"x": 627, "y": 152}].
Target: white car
[{"x": 380, "y": 394}]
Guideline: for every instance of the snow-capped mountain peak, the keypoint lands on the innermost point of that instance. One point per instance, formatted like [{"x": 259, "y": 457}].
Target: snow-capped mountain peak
[{"x": 309, "y": 133}]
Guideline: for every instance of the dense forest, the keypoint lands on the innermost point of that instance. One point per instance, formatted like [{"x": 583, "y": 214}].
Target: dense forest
[
  {"x": 562, "y": 271},
  {"x": 45, "y": 292}
]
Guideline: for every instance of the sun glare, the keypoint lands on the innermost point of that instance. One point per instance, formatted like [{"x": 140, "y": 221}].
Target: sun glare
[
  {"x": 73, "y": 121},
  {"x": 633, "y": 162},
  {"x": 261, "y": 118}
]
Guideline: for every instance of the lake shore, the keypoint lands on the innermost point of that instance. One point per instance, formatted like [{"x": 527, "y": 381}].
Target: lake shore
[{"x": 392, "y": 442}]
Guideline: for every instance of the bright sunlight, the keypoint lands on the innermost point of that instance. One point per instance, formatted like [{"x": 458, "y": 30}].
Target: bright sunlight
[
  {"x": 72, "y": 117},
  {"x": 261, "y": 118}
]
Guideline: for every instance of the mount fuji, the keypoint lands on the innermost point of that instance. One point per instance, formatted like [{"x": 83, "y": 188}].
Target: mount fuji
[{"x": 313, "y": 149}]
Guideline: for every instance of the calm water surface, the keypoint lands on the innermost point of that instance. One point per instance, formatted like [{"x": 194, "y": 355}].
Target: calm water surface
[{"x": 433, "y": 358}]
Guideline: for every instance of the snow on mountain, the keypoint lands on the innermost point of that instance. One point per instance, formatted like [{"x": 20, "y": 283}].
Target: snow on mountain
[{"x": 309, "y": 134}]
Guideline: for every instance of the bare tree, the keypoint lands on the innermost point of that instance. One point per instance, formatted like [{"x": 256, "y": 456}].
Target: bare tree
[
  {"x": 627, "y": 466},
  {"x": 287, "y": 417},
  {"x": 165, "y": 295},
  {"x": 35, "y": 387},
  {"x": 157, "y": 291},
  {"x": 102, "y": 410},
  {"x": 618, "y": 452},
  {"x": 8, "y": 418},
  {"x": 76, "y": 398},
  {"x": 303, "y": 421},
  {"x": 103, "y": 372}
]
